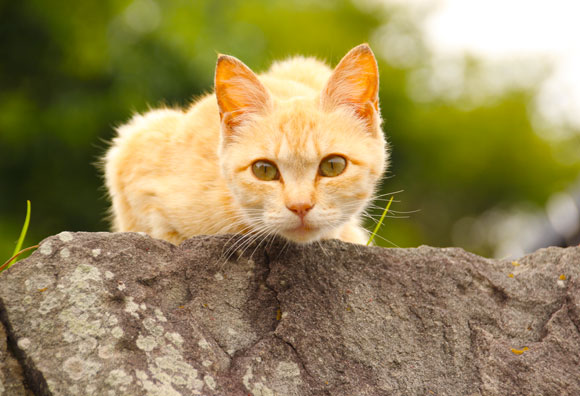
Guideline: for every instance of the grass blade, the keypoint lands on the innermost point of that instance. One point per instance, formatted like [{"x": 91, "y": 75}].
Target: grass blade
[
  {"x": 22, "y": 236},
  {"x": 380, "y": 221},
  {"x": 5, "y": 265}
]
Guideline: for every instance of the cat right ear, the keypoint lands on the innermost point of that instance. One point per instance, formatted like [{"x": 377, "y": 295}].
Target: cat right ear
[{"x": 239, "y": 92}]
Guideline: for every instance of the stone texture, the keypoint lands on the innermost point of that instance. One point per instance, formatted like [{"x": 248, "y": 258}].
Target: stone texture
[
  {"x": 11, "y": 377},
  {"x": 111, "y": 314}
]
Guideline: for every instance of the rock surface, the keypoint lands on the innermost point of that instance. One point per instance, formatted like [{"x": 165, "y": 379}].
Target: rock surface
[{"x": 125, "y": 314}]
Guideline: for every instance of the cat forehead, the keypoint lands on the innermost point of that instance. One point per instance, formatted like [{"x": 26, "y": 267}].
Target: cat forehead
[
  {"x": 303, "y": 132},
  {"x": 300, "y": 129},
  {"x": 300, "y": 148},
  {"x": 303, "y": 116},
  {"x": 296, "y": 114}
]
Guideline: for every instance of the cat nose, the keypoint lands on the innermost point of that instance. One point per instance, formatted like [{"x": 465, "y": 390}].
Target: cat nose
[{"x": 300, "y": 208}]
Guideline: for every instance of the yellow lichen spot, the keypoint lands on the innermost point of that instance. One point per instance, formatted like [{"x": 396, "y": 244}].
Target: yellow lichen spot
[
  {"x": 511, "y": 275},
  {"x": 278, "y": 314},
  {"x": 519, "y": 351},
  {"x": 515, "y": 264},
  {"x": 562, "y": 277},
  {"x": 348, "y": 309},
  {"x": 43, "y": 289}
]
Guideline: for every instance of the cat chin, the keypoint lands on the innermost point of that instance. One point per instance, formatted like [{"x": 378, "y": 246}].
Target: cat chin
[{"x": 302, "y": 235}]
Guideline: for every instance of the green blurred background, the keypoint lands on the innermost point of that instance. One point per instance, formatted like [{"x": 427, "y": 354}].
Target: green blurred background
[{"x": 467, "y": 156}]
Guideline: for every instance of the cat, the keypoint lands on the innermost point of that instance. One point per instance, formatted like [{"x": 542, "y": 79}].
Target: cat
[{"x": 297, "y": 152}]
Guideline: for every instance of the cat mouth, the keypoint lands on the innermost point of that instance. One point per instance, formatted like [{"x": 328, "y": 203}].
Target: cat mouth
[{"x": 302, "y": 228}]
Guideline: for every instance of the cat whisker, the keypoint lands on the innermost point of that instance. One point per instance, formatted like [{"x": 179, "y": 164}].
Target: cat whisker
[
  {"x": 288, "y": 242},
  {"x": 380, "y": 208},
  {"x": 270, "y": 233},
  {"x": 239, "y": 216},
  {"x": 387, "y": 177},
  {"x": 370, "y": 218},
  {"x": 272, "y": 239},
  {"x": 375, "y": 207},
  {"x": 242, "y": 237},
  {"x": 229, "y": 223},
  {"x": 404, "y": 211},
  {"x": 386, "y": 200},
  {"x": 233, "y": 222},
  {"x": 375, "y": 221},
  {"x": 376, "y": 216},
  {"x": 264, "y": 231},
  {"x": 388, "y": 216},
  {"x": 322, "y": 248},
  {"x": 387, "y": 240},
  {"x": 245, "y": 239},
  {"x": 357, "y": 247},
  {"x": 389, "y": 193},
  {"x": 241, "y": 242},
  {"x": 241, "y": 232}
]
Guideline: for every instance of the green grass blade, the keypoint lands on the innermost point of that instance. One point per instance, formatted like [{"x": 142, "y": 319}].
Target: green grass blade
[
  {"x": 380, "y": 221},
  {"x": 22, "y": 234}
]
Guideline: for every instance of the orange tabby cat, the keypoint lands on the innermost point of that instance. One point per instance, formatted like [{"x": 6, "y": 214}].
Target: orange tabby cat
[{"x": 296, "y": 151}]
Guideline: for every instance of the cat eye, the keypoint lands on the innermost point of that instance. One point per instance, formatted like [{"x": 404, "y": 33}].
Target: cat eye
[
  {"x": 332, "y": 166},
  {"x": 265, "y": 170}
]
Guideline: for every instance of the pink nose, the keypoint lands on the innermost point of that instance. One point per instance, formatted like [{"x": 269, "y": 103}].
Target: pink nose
[{"x": 301, "y": 208}]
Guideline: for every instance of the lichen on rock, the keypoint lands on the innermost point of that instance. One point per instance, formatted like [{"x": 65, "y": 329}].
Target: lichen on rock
[{"x": 102, "y": 313}]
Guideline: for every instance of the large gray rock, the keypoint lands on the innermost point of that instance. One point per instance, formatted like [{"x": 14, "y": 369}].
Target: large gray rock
[
  {"x": 11, "y": 376},
  {"x": 125, "y": 314}
]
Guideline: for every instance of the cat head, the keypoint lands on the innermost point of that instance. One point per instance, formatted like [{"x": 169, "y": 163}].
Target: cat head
[{"x": 301, "y": 165}]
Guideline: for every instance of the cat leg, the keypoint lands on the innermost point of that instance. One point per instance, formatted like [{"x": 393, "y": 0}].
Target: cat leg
[{"x": 352, "y": 232}]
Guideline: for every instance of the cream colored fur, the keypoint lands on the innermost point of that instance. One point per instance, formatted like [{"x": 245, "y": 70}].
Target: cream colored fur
[{"x": 174, "y": 174}]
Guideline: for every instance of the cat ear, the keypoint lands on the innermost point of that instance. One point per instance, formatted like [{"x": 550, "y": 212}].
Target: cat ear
[
  {"x": 355, "y": 83},
  {"x": 239, "y": 92}
]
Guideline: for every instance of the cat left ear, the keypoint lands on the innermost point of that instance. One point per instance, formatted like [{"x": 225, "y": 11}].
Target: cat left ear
[
  {"x": 239, "y": 92},
  {"x": 355, "y": 83}
]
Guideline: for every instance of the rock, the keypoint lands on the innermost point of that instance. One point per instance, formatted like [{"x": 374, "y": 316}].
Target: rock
[
  {"x": 11, "y": 376},
  {"x": 106, "y": 314}
]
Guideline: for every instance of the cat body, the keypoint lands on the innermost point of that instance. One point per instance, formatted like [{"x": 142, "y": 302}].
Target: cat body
[{"x": 297, "y": 152}]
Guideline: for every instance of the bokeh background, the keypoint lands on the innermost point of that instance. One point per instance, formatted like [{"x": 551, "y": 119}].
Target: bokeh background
[{"x": 485, "y": 151}]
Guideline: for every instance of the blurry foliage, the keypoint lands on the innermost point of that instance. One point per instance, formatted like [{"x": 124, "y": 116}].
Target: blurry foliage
[{"x": 71, "y": 71}]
